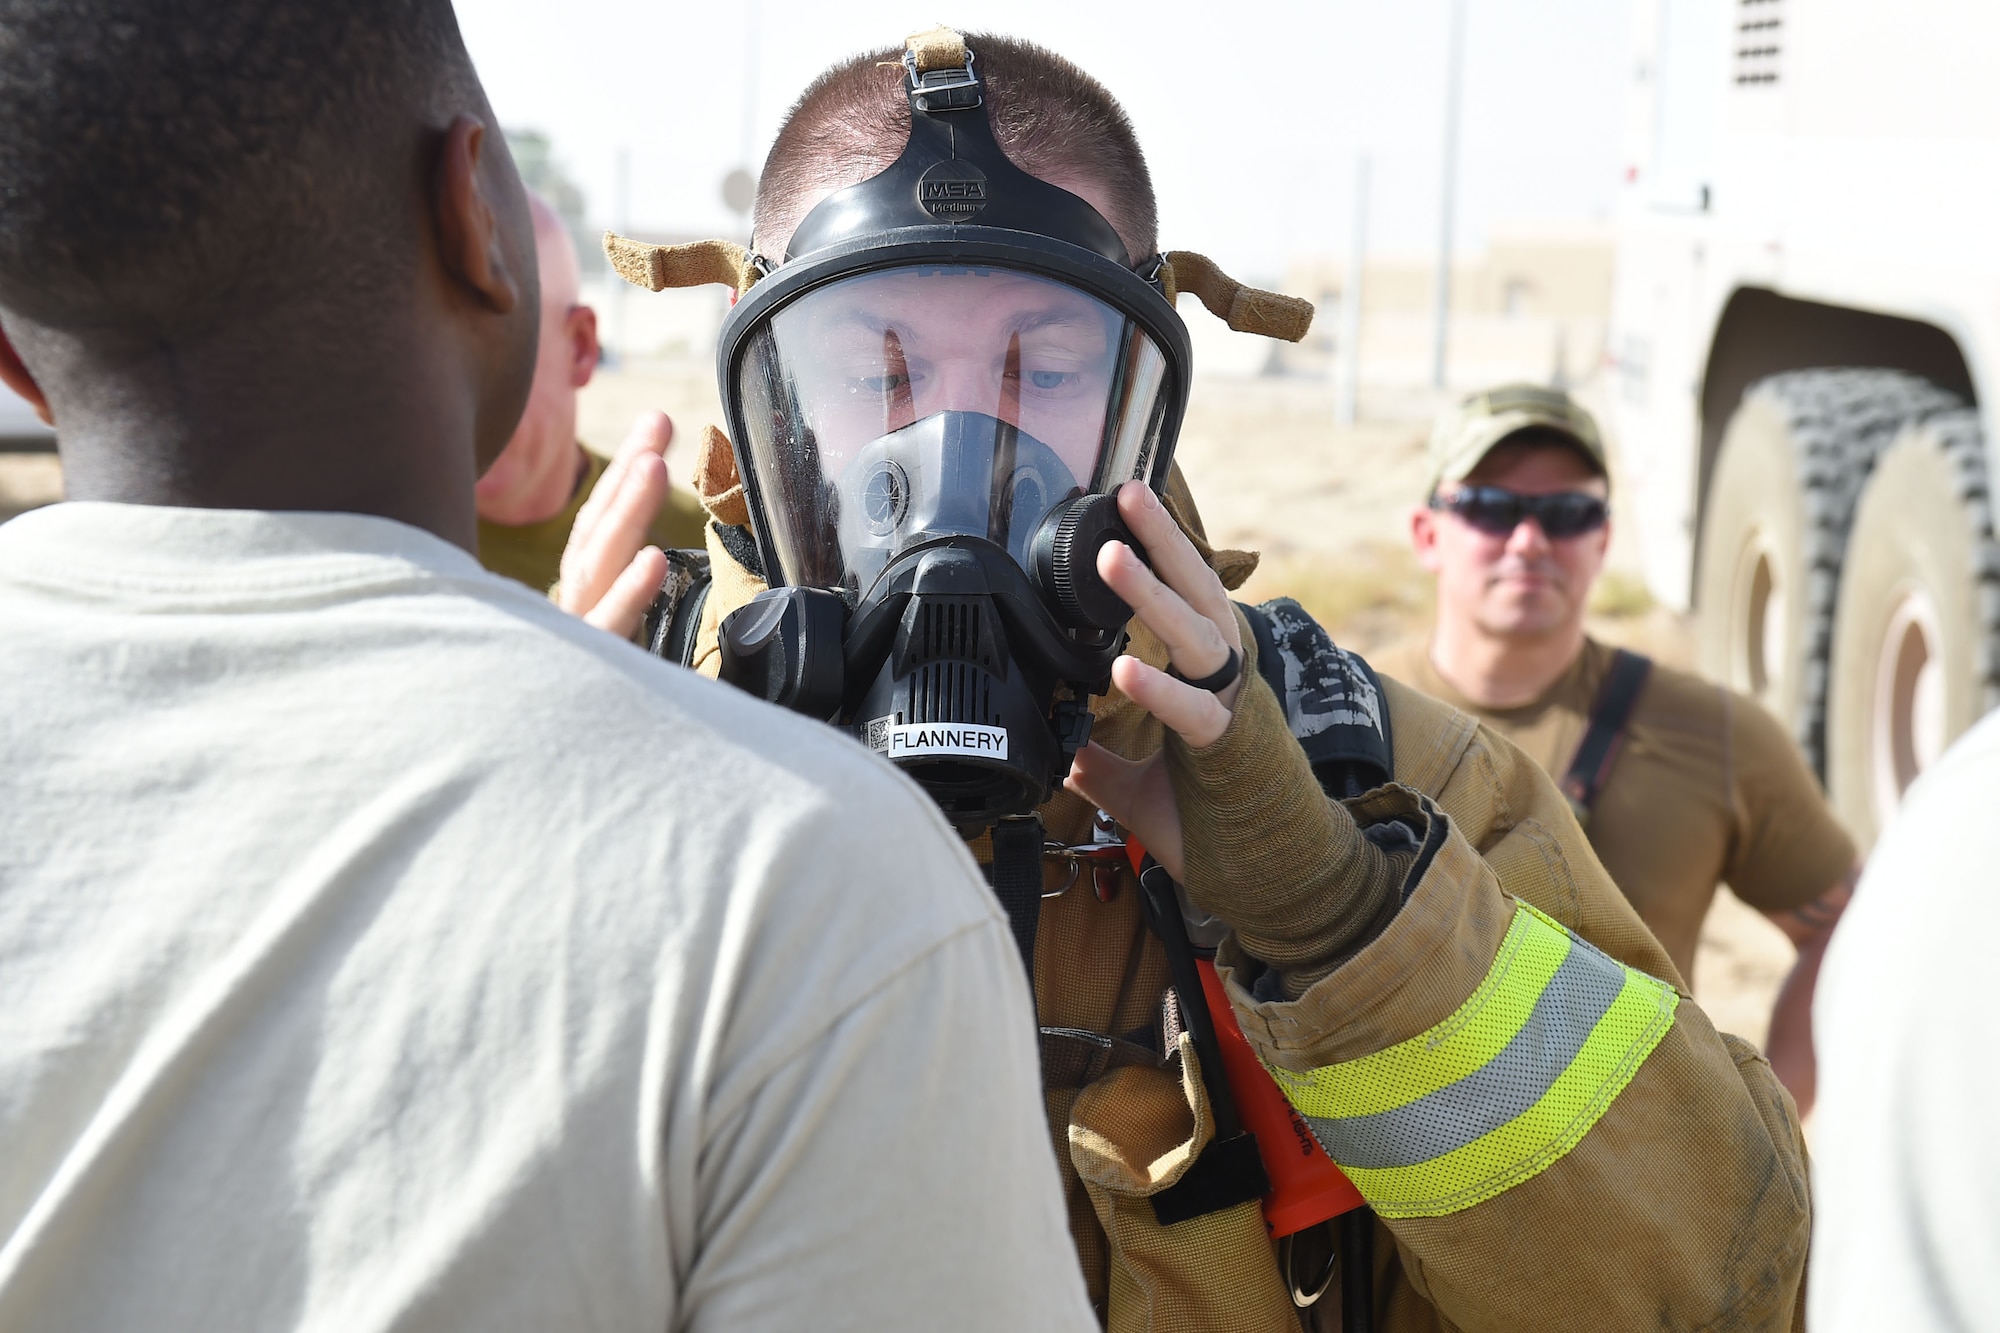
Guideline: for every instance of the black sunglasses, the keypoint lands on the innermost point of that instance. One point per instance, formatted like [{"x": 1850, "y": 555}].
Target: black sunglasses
[{"x": 1498, "y": 512}]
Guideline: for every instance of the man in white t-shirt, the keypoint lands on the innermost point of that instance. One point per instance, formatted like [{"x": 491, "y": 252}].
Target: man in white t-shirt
[
  {"x": 380, "y": 947},
  {"x": 1906, "y": 1163}
]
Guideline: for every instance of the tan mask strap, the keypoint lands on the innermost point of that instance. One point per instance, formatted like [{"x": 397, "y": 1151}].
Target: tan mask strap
[
  {"x": 657, "y": 267},
  {"x": 940, "y": 48},
  {"x": 716, "y": 481},
  {"x": 1245, "y": 309}
]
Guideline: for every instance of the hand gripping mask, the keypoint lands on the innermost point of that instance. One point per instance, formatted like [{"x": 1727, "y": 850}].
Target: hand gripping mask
[{"x": 932, "y": 400}]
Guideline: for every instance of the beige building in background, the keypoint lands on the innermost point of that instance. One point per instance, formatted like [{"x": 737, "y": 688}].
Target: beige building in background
[{"x": 1533, "y": 306}]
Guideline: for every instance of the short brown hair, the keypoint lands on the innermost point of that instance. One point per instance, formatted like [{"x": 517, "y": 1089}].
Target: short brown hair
[{"x": 1048, "y": 116}]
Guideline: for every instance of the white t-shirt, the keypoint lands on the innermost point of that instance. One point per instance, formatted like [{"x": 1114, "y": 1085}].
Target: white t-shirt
[
  {"x": 381, "y": 948},
  {"x": 1906, "y": 1137}
]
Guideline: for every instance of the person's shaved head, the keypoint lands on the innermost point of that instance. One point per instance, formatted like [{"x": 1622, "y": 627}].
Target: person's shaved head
[
  {"x": 1052, "y": 119},
  {"x": 555, "y": 254},
  {"x": 535, "y": 477}
]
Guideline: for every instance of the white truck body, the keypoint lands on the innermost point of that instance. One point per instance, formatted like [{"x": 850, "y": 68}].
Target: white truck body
[
  {"x": 1808, "y": 272},
  {"x": 1856, "y": 166}
]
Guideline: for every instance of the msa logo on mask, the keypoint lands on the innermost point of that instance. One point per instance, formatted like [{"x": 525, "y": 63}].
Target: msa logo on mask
[
  {"x": 952, "y": 191},
  {"x": 911, "y": 740}
]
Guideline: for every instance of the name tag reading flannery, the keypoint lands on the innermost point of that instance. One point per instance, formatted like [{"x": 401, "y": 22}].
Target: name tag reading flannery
[{"x": 910, "y": 740}]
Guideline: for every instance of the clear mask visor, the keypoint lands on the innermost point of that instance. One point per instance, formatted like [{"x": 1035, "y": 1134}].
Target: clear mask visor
[{"x": 893, "y": 408}]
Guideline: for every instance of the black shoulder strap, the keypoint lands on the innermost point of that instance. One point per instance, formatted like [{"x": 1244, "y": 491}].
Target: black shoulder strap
[
  {"x": 1331, "y": 697},
  {"x": 1610, "y": 712},
  {"x": 1016, "y": 877}
]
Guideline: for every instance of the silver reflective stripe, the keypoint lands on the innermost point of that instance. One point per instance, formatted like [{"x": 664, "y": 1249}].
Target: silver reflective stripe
[{"x": 1579, "y": 993}]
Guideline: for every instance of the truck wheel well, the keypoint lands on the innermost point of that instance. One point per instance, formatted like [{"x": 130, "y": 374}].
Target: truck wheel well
[{"x": 1761, "y": 333}]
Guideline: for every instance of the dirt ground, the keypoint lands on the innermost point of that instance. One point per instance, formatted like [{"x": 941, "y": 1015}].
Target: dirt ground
[
  {"x": 28, "y": 480},
  {"x": 1325, "y": 506}
]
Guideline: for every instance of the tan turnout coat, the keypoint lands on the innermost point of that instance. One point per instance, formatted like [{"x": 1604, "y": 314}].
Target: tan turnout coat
[{"x": 1684, "y": 1206}]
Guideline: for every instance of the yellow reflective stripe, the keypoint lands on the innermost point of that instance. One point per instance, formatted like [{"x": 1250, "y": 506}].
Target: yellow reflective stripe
[
  {"x": 1498, "y": 1091},
  {"x": 1533, "y": 949},
  {"x": 1528, "y": 1144}
]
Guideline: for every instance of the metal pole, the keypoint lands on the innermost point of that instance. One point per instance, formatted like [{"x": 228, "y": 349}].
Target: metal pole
[
  {"x": 753, "y": 30},
  {"x": 621, "y": 222},
  {"x": 1454, "y": 76},
  {"x": 1348, "y": 376}
]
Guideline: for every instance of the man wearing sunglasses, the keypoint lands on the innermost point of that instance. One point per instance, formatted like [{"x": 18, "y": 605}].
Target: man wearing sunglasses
[{"x": 1681, "y": 784}]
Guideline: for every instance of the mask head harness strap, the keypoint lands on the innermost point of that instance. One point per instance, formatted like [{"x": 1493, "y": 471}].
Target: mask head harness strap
[
  {"x": 940, "y": 70},
  {"x": 952, "y": 171},
  {"x": 1244, "y": 309},
  {"x": 694, "y": 264}
]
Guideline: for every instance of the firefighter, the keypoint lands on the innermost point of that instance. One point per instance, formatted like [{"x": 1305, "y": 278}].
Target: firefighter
[
  {"x": 957, "y": 328},
  {"x": 1679, "y": 783}
]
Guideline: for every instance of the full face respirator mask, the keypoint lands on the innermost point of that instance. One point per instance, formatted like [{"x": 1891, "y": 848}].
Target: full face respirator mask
[{"x": 933, "y": 400}]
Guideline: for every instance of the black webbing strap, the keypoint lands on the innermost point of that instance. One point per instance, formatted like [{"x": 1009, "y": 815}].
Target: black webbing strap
[
  {"x": 1610, "y": 712},
  {"x": 1017, "y": 882},
  {"x": 1357, "y": 1270},
  {"x": 1230, "y": 1170}
]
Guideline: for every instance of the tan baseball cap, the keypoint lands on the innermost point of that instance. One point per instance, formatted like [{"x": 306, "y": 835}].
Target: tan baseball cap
[{"x": 1467, "y": 433}]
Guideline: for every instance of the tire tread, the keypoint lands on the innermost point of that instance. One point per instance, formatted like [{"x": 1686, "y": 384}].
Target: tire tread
[{"x": 1840, "y": 421}]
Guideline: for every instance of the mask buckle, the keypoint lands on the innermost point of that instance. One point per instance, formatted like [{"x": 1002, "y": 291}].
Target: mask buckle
[{"x": 950, "y": 89}]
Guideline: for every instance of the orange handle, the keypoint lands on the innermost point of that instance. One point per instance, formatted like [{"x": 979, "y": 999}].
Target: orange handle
[{"x": 1306, "y": 1187}]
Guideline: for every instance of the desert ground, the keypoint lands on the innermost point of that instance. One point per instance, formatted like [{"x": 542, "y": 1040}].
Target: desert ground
[{"x": 1325, "y": 506}]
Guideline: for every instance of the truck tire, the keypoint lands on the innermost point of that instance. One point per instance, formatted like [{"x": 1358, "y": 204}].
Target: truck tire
[
  {"x": 1916, "y": 640},
  {"x": 1791, "y": 466}
]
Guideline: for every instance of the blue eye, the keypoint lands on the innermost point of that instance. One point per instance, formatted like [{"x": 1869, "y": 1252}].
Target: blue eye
[
  {"x": 1050, "y": 379},
  {"x": 883, "y": 383}
]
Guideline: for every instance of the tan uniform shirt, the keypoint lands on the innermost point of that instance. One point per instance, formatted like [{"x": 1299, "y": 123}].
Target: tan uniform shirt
[
  {"x": 1706, "y": 788},
  {"x": 532, "y": 552}
]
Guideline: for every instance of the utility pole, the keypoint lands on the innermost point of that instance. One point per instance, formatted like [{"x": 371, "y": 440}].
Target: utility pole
[
  {"x": 621, "y": 222},
  {"x": 1348, "y": 375},
  {"x": 739, "y": 187},
  {"x": 1454, "y": 77},
  {"x": 753, "y": 36}
]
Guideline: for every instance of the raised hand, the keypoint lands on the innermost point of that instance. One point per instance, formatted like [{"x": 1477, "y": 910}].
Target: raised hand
[
  {"x": 1183, "y": 603},
  {"x": 610, "y": 573}
]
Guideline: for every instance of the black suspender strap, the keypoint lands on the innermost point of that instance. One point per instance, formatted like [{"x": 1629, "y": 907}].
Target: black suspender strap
[
  {"x": 1356, "y": 1231},
  {"x": 1610, "y": 713},
  {"x": 1230, "y": 1170},
  {"x": 1017, "y": 882}
]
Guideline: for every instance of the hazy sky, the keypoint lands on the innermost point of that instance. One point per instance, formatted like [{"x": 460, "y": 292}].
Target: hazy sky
[{"x": 1251, "y": 122}]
